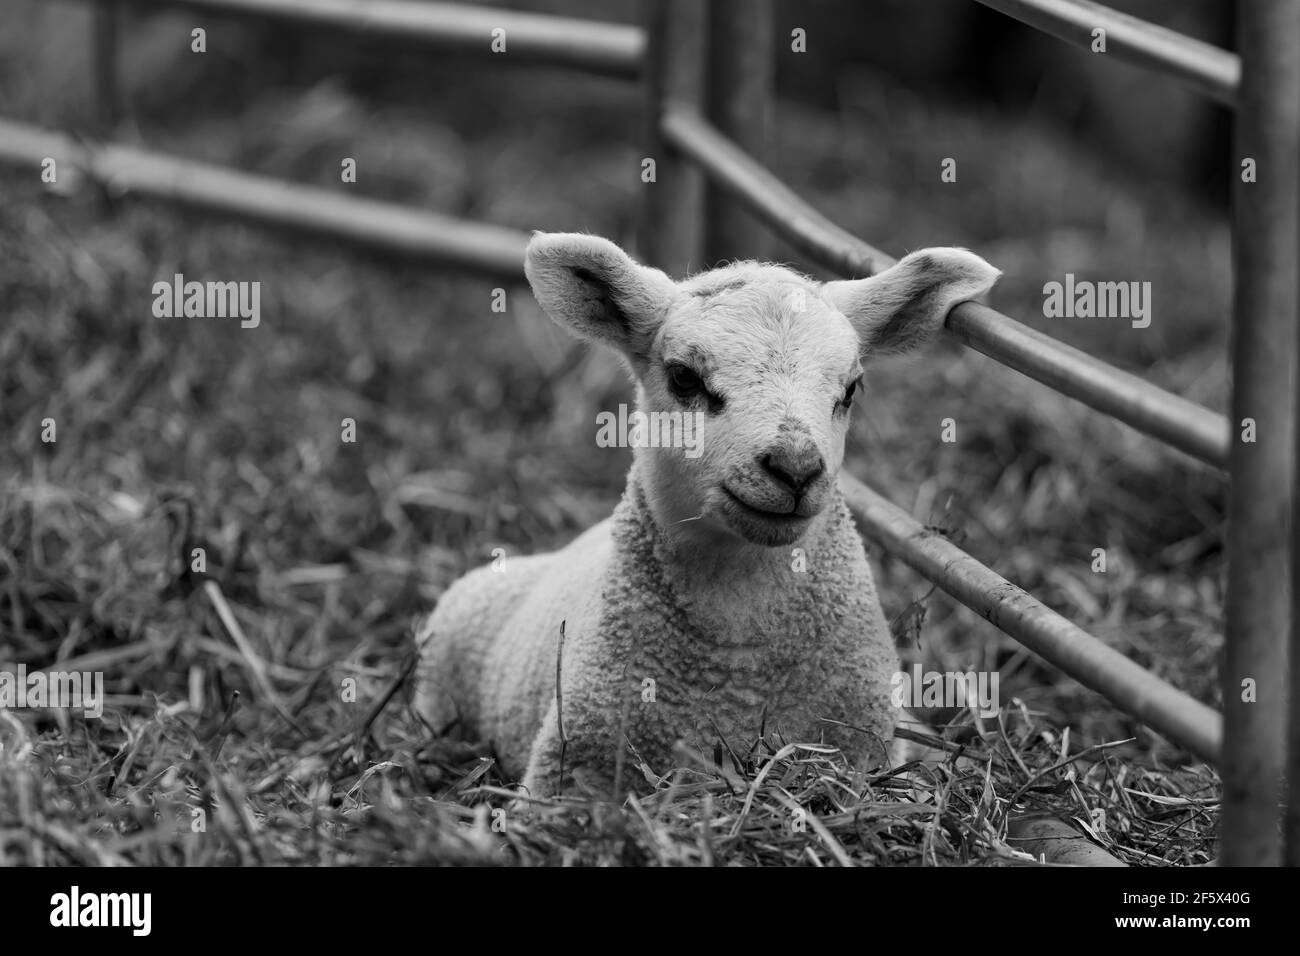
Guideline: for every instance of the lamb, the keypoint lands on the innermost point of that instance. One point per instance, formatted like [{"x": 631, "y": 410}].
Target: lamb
[{"x": 729, "y": 593}]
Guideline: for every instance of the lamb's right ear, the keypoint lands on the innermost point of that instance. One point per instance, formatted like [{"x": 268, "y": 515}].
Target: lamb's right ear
[{"x": 593, "y": 288}]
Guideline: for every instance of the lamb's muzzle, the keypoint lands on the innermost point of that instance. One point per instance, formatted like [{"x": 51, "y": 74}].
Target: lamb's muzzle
[{"x": 730, "y": 588}]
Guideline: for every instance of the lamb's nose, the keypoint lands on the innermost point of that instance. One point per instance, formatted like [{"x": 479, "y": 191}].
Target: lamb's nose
[{"x": 793, "y": 468}]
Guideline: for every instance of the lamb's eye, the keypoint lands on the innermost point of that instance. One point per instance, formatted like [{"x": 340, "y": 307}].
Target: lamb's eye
[
  {"x": 849, "y": 392},
  {"x": 686, "y": 385},
  {"x": 684, "y": 382}
]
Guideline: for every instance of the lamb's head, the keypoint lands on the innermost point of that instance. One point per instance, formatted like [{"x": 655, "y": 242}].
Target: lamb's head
[{"x": 767, "y": 361}]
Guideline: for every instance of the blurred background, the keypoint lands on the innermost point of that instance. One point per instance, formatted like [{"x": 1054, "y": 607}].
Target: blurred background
[{"x": 476, "y": 428}]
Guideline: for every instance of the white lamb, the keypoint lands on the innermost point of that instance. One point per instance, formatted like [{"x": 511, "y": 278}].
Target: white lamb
[{"x": 730, "y": 591}]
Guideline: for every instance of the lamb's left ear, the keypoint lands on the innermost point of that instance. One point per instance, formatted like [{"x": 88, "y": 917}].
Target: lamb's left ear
[
  {"x": 594, "y": 289},
  {"x": 903, "y": 306}
]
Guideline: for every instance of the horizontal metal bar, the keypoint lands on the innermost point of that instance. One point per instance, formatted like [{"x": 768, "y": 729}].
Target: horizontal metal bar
[
  {"x": 1137, "y": 692},
  {"x": 127, "y": 170},
  {"x": 1153, "y": 411},
  {"x": 1207, "y": 69},
  {"x": 1170, "y": 418},
  {"x": 609, "y": 48},
  {"x": 770, "y": 199}
]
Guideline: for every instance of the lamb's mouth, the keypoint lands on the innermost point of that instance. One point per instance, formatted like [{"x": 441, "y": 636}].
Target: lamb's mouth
[{"x": 777, "y": 517}]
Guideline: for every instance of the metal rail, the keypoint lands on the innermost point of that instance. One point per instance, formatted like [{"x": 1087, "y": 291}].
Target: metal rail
[
  {"x": 608, "y": 48},
  {"x": 741, "y": 66},
  {"x": 1136, "y": 691},
  {"x": 670, "y": 232},
  {"x": 1207, "y": 69},
  {"x": 1266, "y": 249},
  {"x": 127, "y": 170}
]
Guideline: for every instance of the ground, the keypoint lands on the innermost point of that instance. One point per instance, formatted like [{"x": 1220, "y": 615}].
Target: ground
[{"x": 233, "y": 732}]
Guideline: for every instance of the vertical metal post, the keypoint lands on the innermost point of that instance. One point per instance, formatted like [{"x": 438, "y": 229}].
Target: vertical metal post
[
  {"x": 741, "y": 72},
  {"x": 104, "y": 65},
  {"x": 1266, "y": 247},
  {"x": 671, "y": 213},
  {"x": 1291, "y": 813}
]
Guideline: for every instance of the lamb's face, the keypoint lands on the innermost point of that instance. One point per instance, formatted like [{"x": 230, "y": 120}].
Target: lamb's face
[
  {"x": 766, "y": 360},
  {"x": 769, "y": 370}
]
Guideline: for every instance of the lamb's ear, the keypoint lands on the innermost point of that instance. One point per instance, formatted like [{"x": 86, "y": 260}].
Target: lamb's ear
[
  {"x": 901, "y": 307},
  {"x": 593, "y": 288}
]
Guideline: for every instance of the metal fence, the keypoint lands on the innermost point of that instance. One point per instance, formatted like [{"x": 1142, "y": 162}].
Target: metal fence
[{"x": 706, "y": 73}]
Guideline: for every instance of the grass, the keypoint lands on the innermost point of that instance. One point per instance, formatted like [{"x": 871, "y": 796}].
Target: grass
[{"x": 266, "y": 698}]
